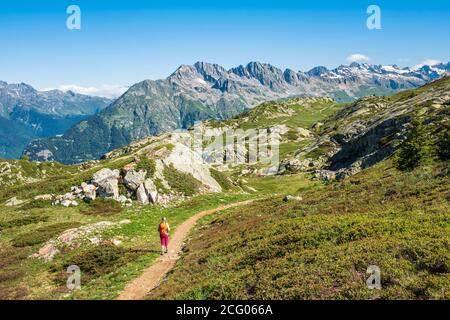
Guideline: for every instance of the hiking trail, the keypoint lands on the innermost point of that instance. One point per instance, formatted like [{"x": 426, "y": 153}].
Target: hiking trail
[{"x": 153, "y": 275}]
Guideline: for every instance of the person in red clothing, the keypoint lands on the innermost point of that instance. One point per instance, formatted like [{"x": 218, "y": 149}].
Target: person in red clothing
[{"x": 164, "y": 235}]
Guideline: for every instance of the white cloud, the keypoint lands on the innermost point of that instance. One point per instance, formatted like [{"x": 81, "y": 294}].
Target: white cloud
[
  {"x": 431, "y": 62},
  {"x": 107, "y": 91},
  {"x": 358, "y": 57},
  {"x": 426, "y": 62}
]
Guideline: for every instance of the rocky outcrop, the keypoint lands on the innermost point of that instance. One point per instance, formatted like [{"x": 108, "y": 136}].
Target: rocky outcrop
[
  {"x": 292, "y": 198},
  {"x": 134, "y": 179},
  {"x": 151, "y": 190},
  {"x": 369, "y": 131},
  {"x": 186, "y": 160}
]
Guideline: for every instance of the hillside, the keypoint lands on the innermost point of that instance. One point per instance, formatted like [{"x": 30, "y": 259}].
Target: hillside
[
  {"x": 303, "y": 238},
  {"x": 369, "y": 130},
  {"x": 319, "y": 242},
  {"x": 320, "y": 247},
  {"x": 208, "y": 91}
]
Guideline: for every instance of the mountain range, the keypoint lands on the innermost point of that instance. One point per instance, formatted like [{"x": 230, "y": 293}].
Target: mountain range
[
  {"x": 208, "y": 91},
  {"x": 27, "y": 114}
]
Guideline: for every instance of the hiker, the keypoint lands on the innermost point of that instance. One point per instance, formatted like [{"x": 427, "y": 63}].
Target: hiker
[{"x": 164, "y": 235}]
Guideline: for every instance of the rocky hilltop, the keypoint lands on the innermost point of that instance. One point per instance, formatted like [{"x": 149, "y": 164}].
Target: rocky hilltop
[{"x": 369, "y": 130}]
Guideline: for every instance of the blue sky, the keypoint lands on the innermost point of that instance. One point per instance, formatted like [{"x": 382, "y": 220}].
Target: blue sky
[{"x": 123, "y": 42}]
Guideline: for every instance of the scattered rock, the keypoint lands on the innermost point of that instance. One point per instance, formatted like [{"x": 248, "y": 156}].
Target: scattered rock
[
  {"x": 13, "y": 202},
  {"x": 68, "y": 203},
  {"x": 44, "y": 197},
  {"x": 122, "y": 199},
  {"x": 116, "y": 242},
  {"x": 290, "y": 198},
  {"x": 76, "y": 190},
  {"x": 89, "y": 190},
  {"x": 326, "y": 175}
]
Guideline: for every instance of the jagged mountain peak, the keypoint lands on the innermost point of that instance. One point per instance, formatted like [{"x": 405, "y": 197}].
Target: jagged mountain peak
[
  {"x": 208, "y": 91},
  {"x": 317, "y": 71}
]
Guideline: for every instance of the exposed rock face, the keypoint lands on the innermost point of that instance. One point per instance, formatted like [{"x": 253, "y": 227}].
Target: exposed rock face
[
  {"x": 141, "y": 194},
  {"x": 133, "y": 179},
  {"x": 296, "y": 165},
  {"x": 152, "y": 192},
  {"x": 107, "y": 182},
  {"x": 186, "y": 160}
]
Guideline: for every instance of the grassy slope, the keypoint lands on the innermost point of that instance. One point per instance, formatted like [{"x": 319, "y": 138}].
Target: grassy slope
[
  {"x": 320, "y": 247},
  {"x": 31, "y": 278},
  {"x": 39, "y": 280}
]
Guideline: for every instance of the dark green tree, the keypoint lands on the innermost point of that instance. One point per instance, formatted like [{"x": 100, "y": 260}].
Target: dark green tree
[
  {"x": 442, "y": 144},
  {"x": 414, "y": 148}
]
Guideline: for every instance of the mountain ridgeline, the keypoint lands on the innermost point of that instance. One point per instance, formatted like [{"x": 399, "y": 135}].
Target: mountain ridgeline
[
  {"x": 208, "y": 91},
  {"x": 27, "y": 114}
]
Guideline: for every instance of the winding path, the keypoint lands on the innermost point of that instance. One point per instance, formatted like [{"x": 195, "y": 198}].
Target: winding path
[{"x": 153, "y": 275}]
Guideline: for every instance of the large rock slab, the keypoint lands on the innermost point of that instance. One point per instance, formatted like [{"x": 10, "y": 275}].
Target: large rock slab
[
  {"x": 133, "y": 179},
  {"x": 151, "y": 190},
  {"x": 141, "y": 195},
  {"x": 186, "y": 160},
  {"x": 107, "y": 182}
]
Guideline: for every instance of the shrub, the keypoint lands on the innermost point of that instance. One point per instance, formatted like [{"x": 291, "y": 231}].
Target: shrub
[
  {"x": 292, "y": 135},
  {"x": 22, "y": 221},
  {"x": 42, "y": 234},
  {"x": 221, "y": 179},
  {"x": 148, "y": 165},
  {"x": 160, "y": 187},
  {"x": 180, "y": 181},
  {"x": 34, "y": 204},
  {"x": 168, "y": 146},
  {"x": 442, "y": 144},
  {"x": 102, "y": 207},
  {"x": 97, "y": 261}
]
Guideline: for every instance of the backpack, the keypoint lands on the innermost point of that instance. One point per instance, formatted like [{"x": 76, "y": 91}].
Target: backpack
[{"x": 163, "y": 228}]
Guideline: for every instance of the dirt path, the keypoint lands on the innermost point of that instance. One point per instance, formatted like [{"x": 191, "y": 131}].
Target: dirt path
[{"x": 152, "y": 276}]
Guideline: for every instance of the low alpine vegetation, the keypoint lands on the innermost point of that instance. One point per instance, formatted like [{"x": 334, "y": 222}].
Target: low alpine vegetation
[{"x": 182, "y": 182}]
